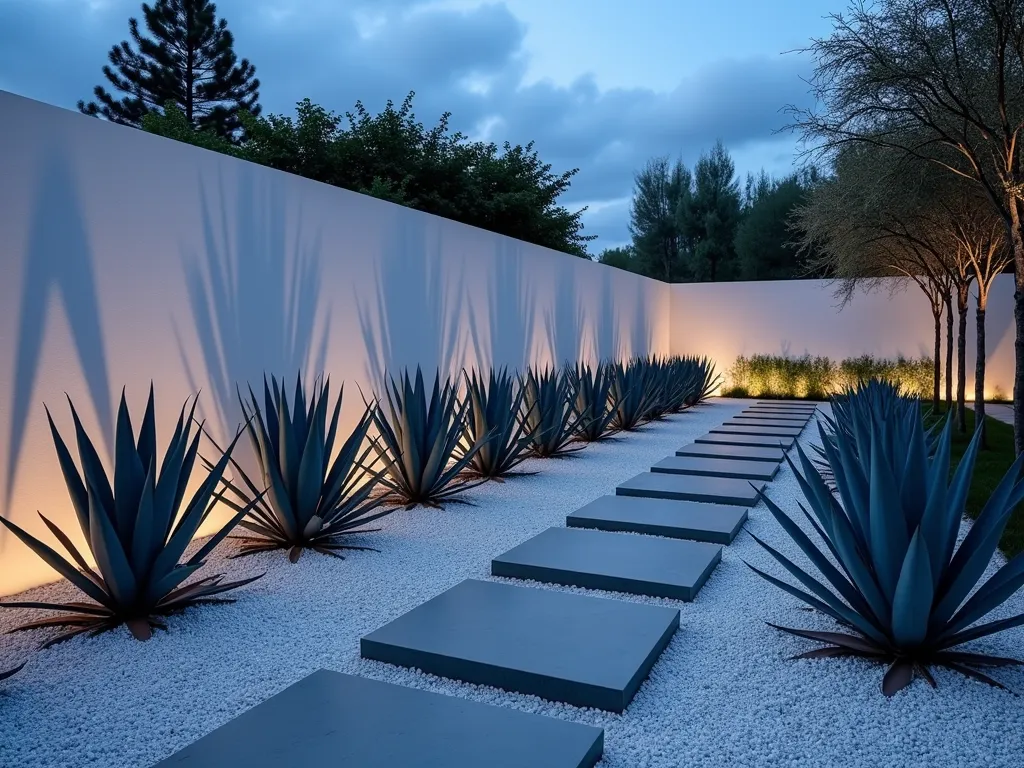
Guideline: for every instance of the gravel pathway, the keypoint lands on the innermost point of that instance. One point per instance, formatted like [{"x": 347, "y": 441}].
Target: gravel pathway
[{"x": 724, "y": 693}]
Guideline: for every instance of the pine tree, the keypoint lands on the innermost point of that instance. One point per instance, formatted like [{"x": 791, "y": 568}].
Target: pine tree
[{"x": 187, "y": 59}]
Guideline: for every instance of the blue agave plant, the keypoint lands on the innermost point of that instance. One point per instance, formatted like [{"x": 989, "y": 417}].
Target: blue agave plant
[
  {"x": 595, "y": 405},
  {"x": 494, "y": 422},
  {"x": 136, "y": 528},
  {"x": 312, "y": 501},
  {"x": 420, "y": 444},
  {"x": 700, "y": 379},
  {"x": 902, "y": 591},
  {"x": 549, "y": 415},
  {"x": 635, "y": 392}
]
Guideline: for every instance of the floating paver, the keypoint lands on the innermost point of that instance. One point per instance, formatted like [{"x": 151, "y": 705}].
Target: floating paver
[
  {"x": 740, "y": 429},
  {"x": 730, "y": 451},
  {"x": 725, "y": 438},
  {"x": 329, "y": 718},
  {"x": 771, "y": 418},
  {"x": 756, "y": 424},
  {"x": 581, "y": 650},
  {"x": 777, "y": 412},
  {"x": 714, "y": 490},
  {"x": 616, "y": 562},
  {"x": 717, "y": 467},
  {"x": 714, "y": 523},
  {"x": 786, "y": 406}
]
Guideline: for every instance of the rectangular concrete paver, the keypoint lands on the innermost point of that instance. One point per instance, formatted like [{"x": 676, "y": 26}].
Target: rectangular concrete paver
[
  {"x": 715, "y": 523},
  {"x": 331, "y": 719},
  {"x": 742, "y": 429},
  {"x": 724, "y": 438},
  {"x": 699, "y": 465},
  {"x": 746, "y": 421},
  {"x": 617, "y": 562},
  {"x": 580, "y": 650},
  {"x": 797, "y": 418},
  {"x": 714, "y": 490},
  {"x": 741, "y": 452}
]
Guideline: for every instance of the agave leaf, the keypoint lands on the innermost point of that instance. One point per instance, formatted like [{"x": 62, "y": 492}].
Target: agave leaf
[
  {"x": 310, "y": 476},
  {"x": 899, "y": 675},
  {"x": 982, "y": 630},
  {"x": 889, "y": 538},
  {"x": 993, "y": 593},
  {"x": 66, "y": 542},
  {"x": 146, "y": 446},
  {"x": 73, "y": 480},
  {"x": 912, "y": 601},
  {"x": 110, "y": 555},
  {"x": 798, "y": 593},
  {"x": 92, "y": 468},
  {"x": 147, "y": 537},
  {"x": 59, "y": 564},
  {"x": 129, "y": 475}
]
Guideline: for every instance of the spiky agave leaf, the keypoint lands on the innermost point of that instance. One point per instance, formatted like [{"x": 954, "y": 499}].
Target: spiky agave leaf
[
  {"x": 137, "y": 526},
  {"x": 902, "y": 588},
  {"x": 419, "y": 442},
  {"x": 635, "y": 392},
  {"x": 10, "y": 672},
  {"x": 315, "y": 498},
  {"x": 494, "y": 407},
  {"x": 594, "y": 403},
  {"x": 548, "y": 413}
]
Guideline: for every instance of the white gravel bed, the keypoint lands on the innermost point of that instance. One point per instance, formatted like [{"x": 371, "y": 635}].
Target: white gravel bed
[{"x": 724, "y": 693}]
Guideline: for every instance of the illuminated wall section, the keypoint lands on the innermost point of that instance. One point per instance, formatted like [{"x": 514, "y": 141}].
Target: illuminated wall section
[
  {"x": 793, "y": 317},
  {"x": 128, "y": 258}
]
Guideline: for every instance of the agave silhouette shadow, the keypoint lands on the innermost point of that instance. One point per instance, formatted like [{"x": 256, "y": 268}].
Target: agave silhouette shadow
[
  {"x": 564, "y": 320},
  {"x": 642, "y": 332},
  {"x": 414, "y": 316},
  {"x": 608, "y": 334},
  {"x": 511, "y": 312},
  {"x": 58, "y": 259},
  {"x": 254, "y": 295}
]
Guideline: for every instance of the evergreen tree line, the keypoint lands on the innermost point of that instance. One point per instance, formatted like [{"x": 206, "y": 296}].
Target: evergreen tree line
[
  {"x": 699, "y": 225},
  {"x": 181, "y": 78}
]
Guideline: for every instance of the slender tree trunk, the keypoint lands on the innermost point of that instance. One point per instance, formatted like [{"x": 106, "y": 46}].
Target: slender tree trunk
[
  {"x": 979, "y": 370},
  {"x": 937, "y": 356},
  {"x": 961, "y": 359},
  {"x": 949, "y": 351},
  {"x": 1017, "y": 241}
]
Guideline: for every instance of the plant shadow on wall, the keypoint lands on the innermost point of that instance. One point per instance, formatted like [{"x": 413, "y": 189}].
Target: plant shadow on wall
[
  {"x": 642, "y": 331},
  {"x": 511, "y": 307},
  {"x": 607, "y": 334},
  {"x": 564, "y": 321},
  {"x": 58, "y": 259},
  {"x": 254, "y": 292},
  {"x": 413, "y": 314}
]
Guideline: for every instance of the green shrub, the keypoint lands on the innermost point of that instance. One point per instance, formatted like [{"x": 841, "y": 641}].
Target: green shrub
[{"x": 818, "y": 377}]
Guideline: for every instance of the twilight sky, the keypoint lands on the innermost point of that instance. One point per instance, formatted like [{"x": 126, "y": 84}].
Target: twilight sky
[{"x": 601, "y": 85}]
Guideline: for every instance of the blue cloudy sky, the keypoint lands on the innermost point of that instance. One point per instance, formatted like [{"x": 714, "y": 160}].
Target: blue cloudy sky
[{"x": 601, "y": 85}]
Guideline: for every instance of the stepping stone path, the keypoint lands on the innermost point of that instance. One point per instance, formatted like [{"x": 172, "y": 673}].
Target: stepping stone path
[
  {"x": 661, "y": 535},
  {"x": 581, "y": 650},
  {"x": 328, "y": 718},
  {"x": 642, "y": 565}
]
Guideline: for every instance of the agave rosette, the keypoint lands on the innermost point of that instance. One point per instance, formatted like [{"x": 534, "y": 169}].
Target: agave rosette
[
  {"x": 548, "y": 413},
  {"x": 634, "y": 393},
  {"x": 494, "y": 421},
  {"x": 315, "y": 498},
  {"x": 904, "y": 593},
  {"x": 420, "y": 442},
  {"x": 137, "y": 526},
  {"x": 594, "y": 403}
]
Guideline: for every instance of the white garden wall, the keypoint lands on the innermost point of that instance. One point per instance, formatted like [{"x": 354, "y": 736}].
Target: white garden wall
[
  {"x": 793, "y": 317},
  {"x": 126, "y": 258}
]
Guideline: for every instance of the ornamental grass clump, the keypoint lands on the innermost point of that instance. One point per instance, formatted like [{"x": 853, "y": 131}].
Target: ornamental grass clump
[
  {"x": 594, "y": 404},
  {"x": 903, "y": 592},
  {"x": 137, "y": 526},
  {"x": 420, "y": 442},
  {"x": 494, "y": 421},
  {"x": 314, "y": 499}
]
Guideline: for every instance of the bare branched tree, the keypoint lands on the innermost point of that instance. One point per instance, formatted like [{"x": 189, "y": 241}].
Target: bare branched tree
[{"x": 949, "y": 73}]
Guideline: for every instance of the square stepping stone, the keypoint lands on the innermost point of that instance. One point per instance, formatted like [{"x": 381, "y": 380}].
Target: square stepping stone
[
  {"x": 776, "y": 419},
  {"x": 715, "y": 490},
  {"x": 758, "y": 441},
  {"x": 617, "y": 562},
  {"x": 733, "y": 429},
  {"x": 763, "y": 425},
  {"x": 714, "y": 523},
  {"x": 698, "y": 465},
  {"x": 580, "y": 650},
  {"x": 728, "y": 451},
  {"x": 330, "y": 719}
]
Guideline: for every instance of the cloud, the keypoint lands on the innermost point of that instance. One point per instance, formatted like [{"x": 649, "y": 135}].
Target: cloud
[{"x": 467, "y": 60}]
